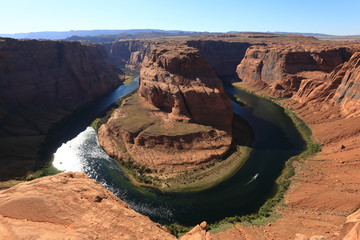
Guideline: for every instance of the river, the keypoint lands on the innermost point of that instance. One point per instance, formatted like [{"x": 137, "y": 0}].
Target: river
[{"x": 276, "y": 140}]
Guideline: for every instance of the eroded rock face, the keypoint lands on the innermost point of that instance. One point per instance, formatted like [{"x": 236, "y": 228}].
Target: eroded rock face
[
  {"x": 41, "y": 82},
  {"x": 308, "y": 73},
  {"x": 71, "y": 206},
  {"x": 129, "y": 53},
  {"x": 351, "y": 228},
  {"x": 180, "y": 119},
  {"x": 348, "y": 92},
  {"x": 178, "y": 80},
  {"x": 340, "y": 87},
  {"x": 282, "y": 68},
  {"x": 223, "y": 56}
]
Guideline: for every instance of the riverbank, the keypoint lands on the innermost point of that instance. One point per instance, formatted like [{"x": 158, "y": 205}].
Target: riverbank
[
  {"x": 205, "y": 176},
  {"x": 324, "y": 187},
  {"x": 266, "y": 212}
]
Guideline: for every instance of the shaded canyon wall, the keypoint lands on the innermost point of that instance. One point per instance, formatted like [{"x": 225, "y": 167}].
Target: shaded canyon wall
[{"x": 41, "y": 82}]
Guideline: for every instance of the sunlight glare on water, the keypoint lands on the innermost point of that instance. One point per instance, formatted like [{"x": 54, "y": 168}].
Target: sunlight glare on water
[{"x": 72, "y": 155}]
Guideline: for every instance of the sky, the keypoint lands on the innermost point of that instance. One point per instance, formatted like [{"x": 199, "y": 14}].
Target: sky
[{"x": 338, "y": 17}]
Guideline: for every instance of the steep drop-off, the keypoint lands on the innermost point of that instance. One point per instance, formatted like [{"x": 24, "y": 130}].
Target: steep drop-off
[
  {"x": 41, "y": 82},
  {"x": 322, "y": 79},
  {"x": 281, "y": 68},
  {"x": 129, "y": 53},
  {"x": 71, "y": 206},
  {"x": 180, "y": 118},
  {"x": 223, "y": 56},
  {"x": 308, "y": 73}
]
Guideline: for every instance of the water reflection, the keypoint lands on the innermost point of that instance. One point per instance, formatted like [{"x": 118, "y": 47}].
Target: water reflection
[{"x": 276, "y": 140}]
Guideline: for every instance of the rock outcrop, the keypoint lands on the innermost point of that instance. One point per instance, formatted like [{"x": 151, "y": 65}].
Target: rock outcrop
[
  {"x": 41, "y": 82},
  {"x": 223, "y": 56},
  {"x": 129, "y": 53},
  {"x": 181, "y": 119},
  {"x": 281, "y": 68},
  {"x": 178, "y": 80},
  {"x": 348, "y": 92},
  {"x": 309, "y": 73},
  {"x": 351, "y": 228},
  {"x": 71, "y": 206}
]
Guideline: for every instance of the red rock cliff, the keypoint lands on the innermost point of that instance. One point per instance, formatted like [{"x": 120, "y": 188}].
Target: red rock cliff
[
  {"x": 281, "y": 68},
  {"x": 181, "y": 119},
  {"x": 129, "y": 53},
  {"x": 180, "y": 81},
  {"x": 41, "y": 82},
  {"x": 348, "y": 92},
  {"x": 223, "y": 56}
]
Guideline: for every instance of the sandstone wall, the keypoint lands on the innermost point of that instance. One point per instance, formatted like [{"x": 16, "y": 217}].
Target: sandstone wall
[
  {"x": 128, "y": 53},
  {"x": 180, "y": 81},
  {"x": 223, "y": 56},
  {"x": 181, "y": 119},
  {"x": 283, "y": 67},
  {"x": 41, "y": 82}
]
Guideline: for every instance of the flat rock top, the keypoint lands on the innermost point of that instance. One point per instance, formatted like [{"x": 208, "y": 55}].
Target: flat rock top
[
  {"x": 70, "y": 206},
  {"x": 137, "y": 115}
]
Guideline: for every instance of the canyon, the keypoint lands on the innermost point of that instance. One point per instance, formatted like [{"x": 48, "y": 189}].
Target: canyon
[
  {"x": 41, "y": 83},
  {"x": 179, "y": 119},
  {"x": 318, "y": 80}
]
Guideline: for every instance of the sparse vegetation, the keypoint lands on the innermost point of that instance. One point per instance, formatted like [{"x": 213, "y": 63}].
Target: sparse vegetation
[
  {"x": 266, "y": 212},
  {"x": 104, "y": 117},
  {"x": 128, "y": 76},
  {"x": 177, "y": 230},
  {"x": 47, "y": 170},
  {"x": 141, "y": 117},
  {"x": 95, "y": 124}
]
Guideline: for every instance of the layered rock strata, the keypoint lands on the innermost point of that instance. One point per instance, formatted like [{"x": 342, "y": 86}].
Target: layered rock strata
[
  {"x": 307, "y": 73},
  {"x": 180, "y": 118},
  {"x": 282, "y": 67},
  {"x": 129, "y": 53},
  {"x": 223, "y": 56},
  {"x": 41, "y": 82}
]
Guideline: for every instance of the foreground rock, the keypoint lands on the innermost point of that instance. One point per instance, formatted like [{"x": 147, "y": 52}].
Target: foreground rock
[
  {"x": 42, "y": 82},
  {"x": 351, "y": 229},
  {"x": 70, "y": 206},
  {"x": 180, "y": 119}
]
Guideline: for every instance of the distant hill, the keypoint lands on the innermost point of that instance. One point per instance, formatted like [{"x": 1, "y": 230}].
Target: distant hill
[
  {"x": 99, "y": 36},
  {"x": 139, "y": 35},
  {"x": 305, "y": 34},
  {"x": 297, "y": 33},
  {"x": 81, "y": 33}
]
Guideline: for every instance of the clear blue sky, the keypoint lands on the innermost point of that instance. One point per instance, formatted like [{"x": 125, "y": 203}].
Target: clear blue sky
[{"x": 341, "y": 17}]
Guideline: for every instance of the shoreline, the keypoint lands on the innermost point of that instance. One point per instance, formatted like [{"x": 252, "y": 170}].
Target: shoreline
[
  {"x": 323, "y": 189},
  {"x": 208, "y": 175},
  {"x": 267, "y": 212}
]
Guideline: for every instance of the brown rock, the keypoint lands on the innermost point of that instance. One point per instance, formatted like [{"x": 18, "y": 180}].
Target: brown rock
[
  {"x": 42, "y": 82},
  {"x": 70, "y": 206},
  {"x": 181, "y": 119},
  {"x": 223, "y": 56},
  {"x": 129, "y": 53},
  {"x": 178, "y": 80},
  {"x": 300, "y": 236},
  {"x": 348, "y": 92},
  {"x": 198, "y": 233},
  {"x": 283, "y": 67},
  {"x": 351, "y": 228}
]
